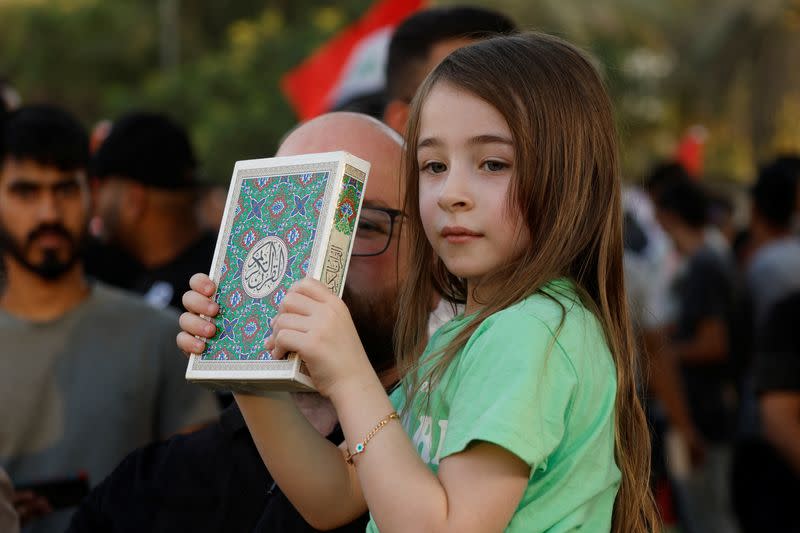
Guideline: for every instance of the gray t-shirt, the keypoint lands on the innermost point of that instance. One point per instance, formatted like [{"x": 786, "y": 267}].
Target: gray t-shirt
[
  {"x": 773, "y": 274},
  {"x": 80, "y": 392}
]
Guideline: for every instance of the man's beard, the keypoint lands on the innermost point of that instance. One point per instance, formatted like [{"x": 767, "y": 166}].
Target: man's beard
[
  {"x": 51, "y": 267},
  {"x": 374, "y": 318}
]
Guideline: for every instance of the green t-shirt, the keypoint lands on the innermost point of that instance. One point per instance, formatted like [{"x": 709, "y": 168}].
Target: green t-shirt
[{"x": 547, "y": 398}]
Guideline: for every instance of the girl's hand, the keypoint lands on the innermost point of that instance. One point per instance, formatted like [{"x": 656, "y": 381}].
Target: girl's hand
[
  {"x": 197, "y": 302},
  {"x": 317, "y": 325}
]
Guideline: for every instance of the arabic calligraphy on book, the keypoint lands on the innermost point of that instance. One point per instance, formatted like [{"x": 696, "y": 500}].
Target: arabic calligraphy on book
[{"x": 264, "y": 267}]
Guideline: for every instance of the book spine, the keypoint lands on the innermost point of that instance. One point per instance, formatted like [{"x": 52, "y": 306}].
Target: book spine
[{"x": 345, "y": 218}]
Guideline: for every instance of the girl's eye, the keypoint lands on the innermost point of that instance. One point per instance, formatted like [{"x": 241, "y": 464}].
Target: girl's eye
[
  {"x": 494, "y": 166},
  {"x": 435, "y": 167}
]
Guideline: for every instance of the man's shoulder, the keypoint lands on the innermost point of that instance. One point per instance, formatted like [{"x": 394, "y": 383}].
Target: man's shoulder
[
  {"x": 782, "y": 252},
  {"x": 128, "y": 312},
  {"x": 194, "y": 258},
  {"x": 104, "y": 305},
  {"x": 712, "y": 257},
  {"x": 710, "y": 262},
  {"x": 114, "y": 301}
]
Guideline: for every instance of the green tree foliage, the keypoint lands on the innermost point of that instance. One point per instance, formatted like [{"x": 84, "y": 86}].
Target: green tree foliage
[
  {"x": 727, "y": 64},
  {"x": 101, "y": 59}
]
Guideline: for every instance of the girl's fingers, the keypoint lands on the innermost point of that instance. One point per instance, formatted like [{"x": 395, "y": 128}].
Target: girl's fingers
[
  {"x": 194, "y": 325},
  {"x": 312, "y": 288},
  {"x": 202, "y": 283},
  {"x": 296, "y": 303},
  {"x": 199, "y": 304},
  {"x": 285, "y": 341},
  {"x": 292, "y": 321},
  {"x": 285, "y": 322},
  {"x": 190, "y": 344}
]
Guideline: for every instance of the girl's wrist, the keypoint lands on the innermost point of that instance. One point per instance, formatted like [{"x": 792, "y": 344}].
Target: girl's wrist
[{"x": 355, "y": 387}]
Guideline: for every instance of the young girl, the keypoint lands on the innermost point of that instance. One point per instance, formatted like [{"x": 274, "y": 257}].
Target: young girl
[{"x": 521, "y": 413}]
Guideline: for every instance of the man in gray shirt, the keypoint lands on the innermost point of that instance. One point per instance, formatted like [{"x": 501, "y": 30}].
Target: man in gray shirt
[
  {"x": 774, "y": 270},
  {"x": 87, "y": 373}
]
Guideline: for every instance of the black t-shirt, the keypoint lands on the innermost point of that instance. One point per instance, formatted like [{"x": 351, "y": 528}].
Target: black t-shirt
[
  {"x": 765, "y": 486},
  {"x": 776, "y": 365},
  {"x": 165, "y": 285},
  {"x": 707, "y": 291},
  {"x": 111, "y": 265},
  {"x": 212, "y": 480},
  {"x": 161, "y": 287}
]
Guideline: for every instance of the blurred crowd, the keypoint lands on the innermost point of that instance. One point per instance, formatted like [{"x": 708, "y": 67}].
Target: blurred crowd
[
  {"x": 716, "y": 306},
  {"x": 100, "y": 234}
]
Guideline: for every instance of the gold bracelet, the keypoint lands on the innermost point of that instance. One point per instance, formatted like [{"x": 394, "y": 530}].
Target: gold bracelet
[{"x": 361, "y": 446}]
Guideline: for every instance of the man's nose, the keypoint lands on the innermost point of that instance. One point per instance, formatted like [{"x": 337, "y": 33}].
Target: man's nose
[{"x": 49, "y": 208}]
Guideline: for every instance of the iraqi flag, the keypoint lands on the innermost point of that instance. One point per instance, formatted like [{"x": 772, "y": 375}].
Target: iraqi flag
[{"x": 350, "y": 64}]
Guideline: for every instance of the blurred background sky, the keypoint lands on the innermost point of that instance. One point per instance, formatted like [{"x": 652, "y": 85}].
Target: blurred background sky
[{"x": 730, "y": 66}]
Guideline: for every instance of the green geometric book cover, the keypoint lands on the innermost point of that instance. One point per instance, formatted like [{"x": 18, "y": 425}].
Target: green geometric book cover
[{"x": 285, "y": 218}]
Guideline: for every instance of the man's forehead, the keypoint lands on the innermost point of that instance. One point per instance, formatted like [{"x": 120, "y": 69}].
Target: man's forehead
[
  {"x": 362, "y": 139},
  {"x": 16, "y": 170},
  {"x": 383, "y": 185}
]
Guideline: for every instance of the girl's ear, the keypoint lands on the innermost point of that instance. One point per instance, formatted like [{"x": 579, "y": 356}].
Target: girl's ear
[{"x": 395, "y": 115}]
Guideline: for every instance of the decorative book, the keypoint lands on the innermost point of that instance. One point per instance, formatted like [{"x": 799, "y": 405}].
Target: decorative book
[{"x": 285, "y": 218}]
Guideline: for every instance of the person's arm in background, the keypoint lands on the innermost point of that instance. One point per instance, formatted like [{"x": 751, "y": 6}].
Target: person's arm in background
[
  {"x": 777, "y": 376},
  {"x": 710, "y": 301},
  {"x": 708, "y": 344},
  {"x": 780, "y": 413},
  {"x": 647, "y": 297},
  {"x": 9, "y": 520},
  {"x": 664, "y": 380}
]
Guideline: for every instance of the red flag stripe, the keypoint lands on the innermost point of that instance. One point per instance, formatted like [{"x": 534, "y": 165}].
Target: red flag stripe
[{"x": 309, "y": 86}]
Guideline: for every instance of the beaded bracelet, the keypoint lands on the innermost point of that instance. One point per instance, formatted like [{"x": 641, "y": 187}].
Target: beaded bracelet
[{"x": 361, "y": 446}]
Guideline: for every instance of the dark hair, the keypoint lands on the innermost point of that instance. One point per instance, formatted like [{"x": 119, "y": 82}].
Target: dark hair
[
  {"x": 775, "y": 191},
  {"x": 413, "y": 39},
  {"x": 3, "y": 113},
  {"x": 47, "y": 135},
  {"x": 149, "y": 148},
  {"x": 740, "y": 244},
  {"x": 663, "y": 174},
  {"x": 720, "y": 208},
  {"x": 685, "y": 199},
  {"x": 372, "y": 104},
  {"x": 3, "y": 103}
]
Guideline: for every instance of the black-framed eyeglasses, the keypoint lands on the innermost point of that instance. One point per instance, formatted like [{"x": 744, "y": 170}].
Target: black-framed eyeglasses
[{"x": 374, "y": 231}]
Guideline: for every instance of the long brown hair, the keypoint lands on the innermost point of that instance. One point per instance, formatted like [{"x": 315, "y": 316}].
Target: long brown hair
[{"x": 567, "y": 189}]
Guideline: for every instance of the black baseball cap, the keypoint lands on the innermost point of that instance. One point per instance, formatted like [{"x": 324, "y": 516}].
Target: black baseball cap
[{"x": 149, "y": 148}]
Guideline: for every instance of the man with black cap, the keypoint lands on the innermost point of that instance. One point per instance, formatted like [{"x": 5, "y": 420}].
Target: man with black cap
[{"x": 145, "y": 178}]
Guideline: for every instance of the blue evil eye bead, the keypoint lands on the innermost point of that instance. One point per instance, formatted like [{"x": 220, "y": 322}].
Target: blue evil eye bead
[{"x": 359, "y": 447}]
